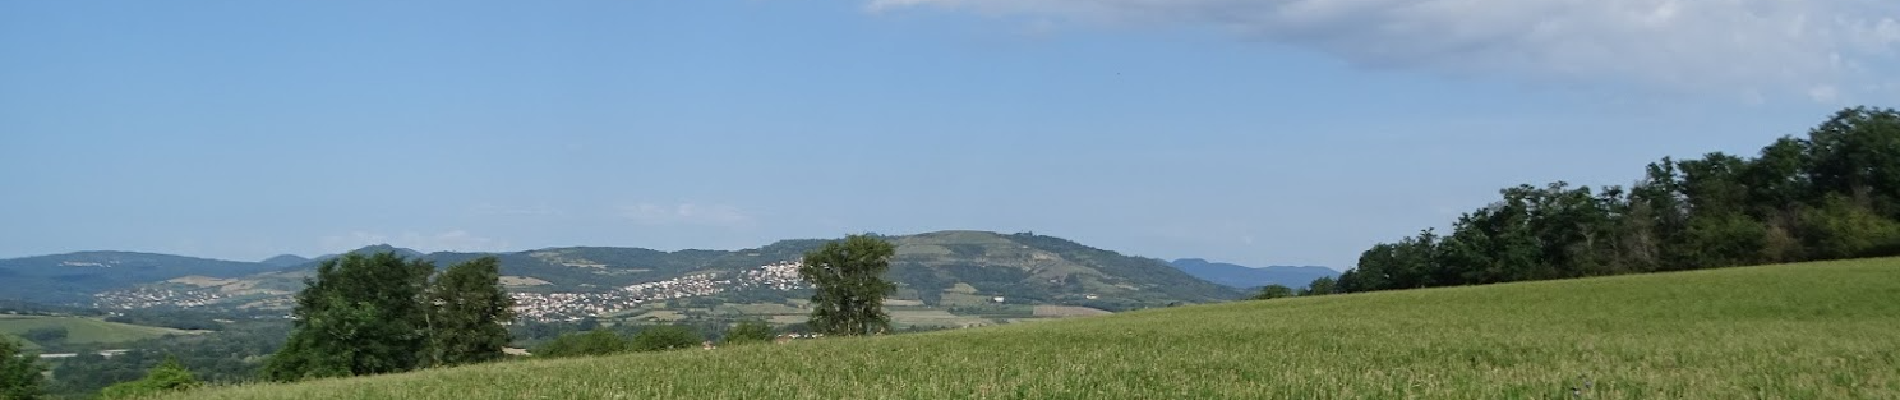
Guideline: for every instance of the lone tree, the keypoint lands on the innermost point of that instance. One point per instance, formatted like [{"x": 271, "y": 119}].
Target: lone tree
[
  {"x": 19, "y": 372},
  {"x": 849, "y": 278},
  {"x": 467, "y": 307}
]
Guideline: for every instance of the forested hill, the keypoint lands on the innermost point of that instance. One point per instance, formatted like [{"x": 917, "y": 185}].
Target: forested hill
[
  {"x": 1026, "y": 267},
  {"x": 1833, "y": 194},
  {"x": 74, "y": 277},
  {"x": 1022, "y": 268}
]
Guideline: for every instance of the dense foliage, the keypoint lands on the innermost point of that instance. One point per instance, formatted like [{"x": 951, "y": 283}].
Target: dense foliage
[
  {"x": 229, "y": 356},
  {"x": 20, "y": 377},
  {"x": 467, "y": 310},
  {"x": 595, "y": 342},
  {"x": 604, "y": 341},
  {"x": 1275, "y": 291},
  {"x": 168, "y": 376},
  {"x": 848, "y": 276},
  {"x": 1832, "y": 195},
  {"x": 747, "y": 332},
  {"x": 378, "y": 313},
  {"x": 665, "y": 337}
]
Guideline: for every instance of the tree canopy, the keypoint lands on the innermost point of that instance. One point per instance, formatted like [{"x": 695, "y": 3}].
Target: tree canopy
[
  {"x": 20, "y": 377},
  {"x": 1832, "y": 195},
  {"x": 467, "y": 307},
  {"x": 380, "y": 313},
  {"x": 848, "y": 277},
  {"x": 168, "y": 376}
]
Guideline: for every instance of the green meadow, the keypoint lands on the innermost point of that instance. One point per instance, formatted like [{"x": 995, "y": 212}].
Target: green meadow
[
  {"x": 81, "y": 330},
  {"x": 1826, "y": 330}
]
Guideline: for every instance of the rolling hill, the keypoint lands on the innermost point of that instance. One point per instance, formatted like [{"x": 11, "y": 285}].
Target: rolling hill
[
  {"x": 74, "y": 277},
  {"x": 1249, "y": 278},
  {"x": 1801, "y": 331},
  {"x": 937, "y": 268},
  {"x": 81, "y": 330}
]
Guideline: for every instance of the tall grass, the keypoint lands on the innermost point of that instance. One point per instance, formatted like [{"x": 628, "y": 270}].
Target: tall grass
[{"x": 1804, "y": 331}]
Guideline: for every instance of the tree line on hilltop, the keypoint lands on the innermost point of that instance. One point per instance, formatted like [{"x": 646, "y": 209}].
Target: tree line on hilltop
[{"x": 1832, "y": 195}]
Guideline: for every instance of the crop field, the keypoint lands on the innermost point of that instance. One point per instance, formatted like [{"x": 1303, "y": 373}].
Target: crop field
[{"x": 1802, "y": 331}]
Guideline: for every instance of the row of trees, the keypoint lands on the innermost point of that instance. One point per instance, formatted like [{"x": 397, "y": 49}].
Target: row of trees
[
  {"x": 1832, "y": 195},
  {"x": 1322, "y": 285},
  {"x": 382, "y": 313}
]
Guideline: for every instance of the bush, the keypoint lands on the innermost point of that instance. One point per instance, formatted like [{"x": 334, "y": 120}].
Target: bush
[
  {"x": 747, "y": 332},
  {"x": 168, "y": 376},
  {"x": 19, "y": 372},
  {"x": 591, "y": 343},
  {"x": 665, "y": 338}
]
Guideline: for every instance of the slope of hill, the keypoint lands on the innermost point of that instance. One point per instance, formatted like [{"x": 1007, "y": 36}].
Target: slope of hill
[
  {"x": 82, "y": 330},
  {"x": 949, "y": 268},
  {"x": 73, "y": 277},
  {"x": 1248, "y": 278},
  {"x": 1807, "y": 331},
  {"x": 285, "y": 260}
]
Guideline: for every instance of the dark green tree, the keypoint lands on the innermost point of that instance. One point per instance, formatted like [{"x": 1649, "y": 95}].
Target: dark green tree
[
  {"x": 747, "y": 332},
  {"x": 467, "y": 307},
  {"x": 168, "y": 376},
  {"x": 848, "y": 277},
  {"x": 1275, "y": 291},
  {"x": 590, "y": 343},
  {"x": 665, "y": 337},
  {"x": 1323, "y": 285},
  {"x": 360, "y": 315},
  {"x": 20, "y": 377}
]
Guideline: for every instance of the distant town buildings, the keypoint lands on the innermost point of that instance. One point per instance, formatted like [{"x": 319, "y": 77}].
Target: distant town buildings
[
  {"x": 530, "y": 306},
  {"x": 576, "y": 306}
]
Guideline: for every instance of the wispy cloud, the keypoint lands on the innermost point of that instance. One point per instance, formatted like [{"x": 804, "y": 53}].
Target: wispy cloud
[
  {"x": 1823, "y": 50},
  {"x": 687, "y": 213},
  {"x": 452, "y": 240}
]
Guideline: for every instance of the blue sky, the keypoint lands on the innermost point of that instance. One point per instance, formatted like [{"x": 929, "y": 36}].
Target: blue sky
[{"x": 1289, "y": 132}]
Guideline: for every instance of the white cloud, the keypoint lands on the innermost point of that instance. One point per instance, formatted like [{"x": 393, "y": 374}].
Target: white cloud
[
  {"x": 1825, "y": 50},
  {"x": 685, "y": 214},
  {"x": 453, "y": 240}
]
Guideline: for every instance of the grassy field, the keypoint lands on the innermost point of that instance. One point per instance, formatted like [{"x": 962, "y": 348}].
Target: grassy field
[
  {"x": 82, "y": 330},
  {"x": 1809, "y": 331}
]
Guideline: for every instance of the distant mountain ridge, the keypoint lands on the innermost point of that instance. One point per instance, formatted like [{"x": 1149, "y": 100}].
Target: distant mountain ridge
[
  {"x": 935, "y": 267},
  {"x": 1248, "y": 278},
  {"x": 285, "y": 260},
  {"x": 73, "y": 277}
]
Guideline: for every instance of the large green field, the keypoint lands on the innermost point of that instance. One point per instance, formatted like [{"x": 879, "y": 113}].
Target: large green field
[
  {"x": 81, "y": 330},
  {"x": 1806, "y": 331}
]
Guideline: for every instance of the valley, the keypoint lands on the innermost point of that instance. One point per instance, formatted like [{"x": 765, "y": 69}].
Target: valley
[{"x": 1798, "y": 331}]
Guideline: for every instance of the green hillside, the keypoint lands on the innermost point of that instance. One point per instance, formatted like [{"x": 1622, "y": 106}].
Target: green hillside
[
  {"x": 1804, "y": 331},
  {"x": 82, "y": 330},
  {"x": 940, "y": 269}
]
